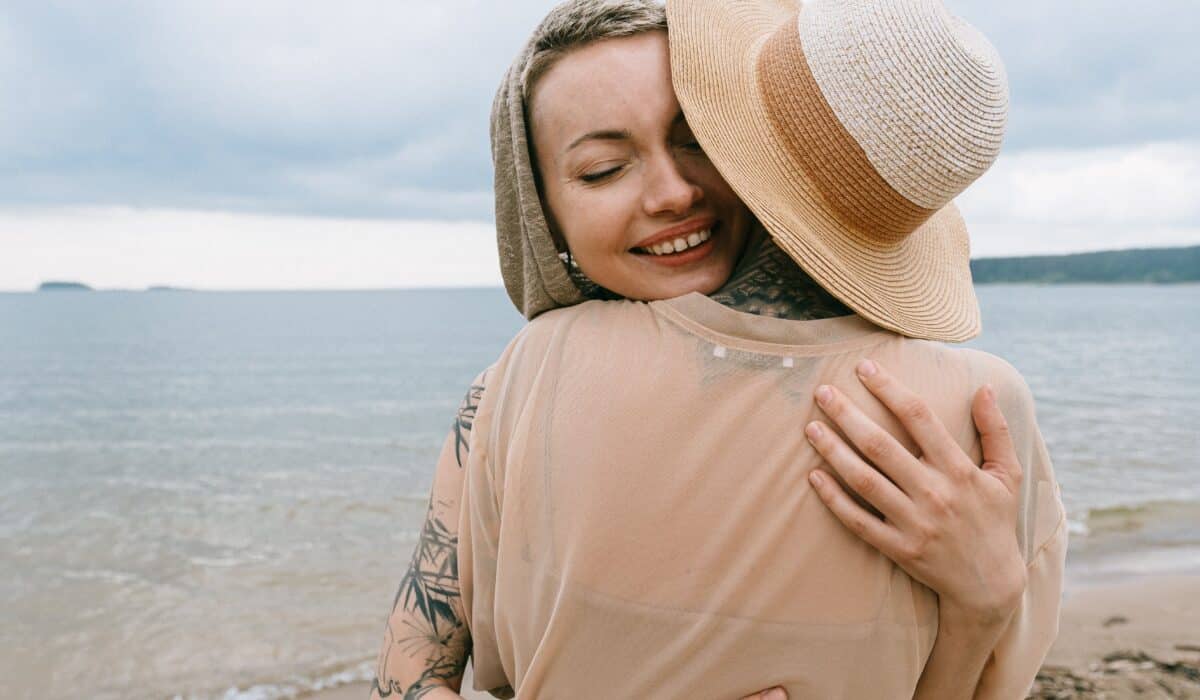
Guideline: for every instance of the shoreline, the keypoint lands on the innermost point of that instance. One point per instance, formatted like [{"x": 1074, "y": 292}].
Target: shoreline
[{"x": 1135, "y": 637}]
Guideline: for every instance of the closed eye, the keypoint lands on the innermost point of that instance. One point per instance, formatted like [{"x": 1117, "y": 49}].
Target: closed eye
[{"x": 600, "y": 174}]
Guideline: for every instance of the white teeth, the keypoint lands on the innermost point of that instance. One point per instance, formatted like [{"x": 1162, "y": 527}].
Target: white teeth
[{"x": 679, "y": 244}]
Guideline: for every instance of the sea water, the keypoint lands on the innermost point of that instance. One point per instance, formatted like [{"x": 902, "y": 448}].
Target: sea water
[{"x": 215, "y": 494}]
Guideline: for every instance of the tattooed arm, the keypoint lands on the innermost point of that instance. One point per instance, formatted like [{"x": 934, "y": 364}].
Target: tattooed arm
[{"x": 427, "y": 642}]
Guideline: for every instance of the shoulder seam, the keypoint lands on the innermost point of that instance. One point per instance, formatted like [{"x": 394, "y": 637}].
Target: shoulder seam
[{"x": 1033, "y": 559}]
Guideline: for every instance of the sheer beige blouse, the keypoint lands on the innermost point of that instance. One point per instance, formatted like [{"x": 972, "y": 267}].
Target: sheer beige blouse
[{"x": 636, "y": 521}]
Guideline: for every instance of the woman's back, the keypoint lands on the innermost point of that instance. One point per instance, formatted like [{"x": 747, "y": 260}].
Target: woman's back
[{"x": 639, "y": 471}]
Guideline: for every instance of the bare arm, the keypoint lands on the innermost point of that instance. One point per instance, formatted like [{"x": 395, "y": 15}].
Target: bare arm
[{"x": 426, "y": 643}]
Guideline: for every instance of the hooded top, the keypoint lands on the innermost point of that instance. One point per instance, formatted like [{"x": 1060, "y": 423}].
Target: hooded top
[{"x": 534, "y": 276}]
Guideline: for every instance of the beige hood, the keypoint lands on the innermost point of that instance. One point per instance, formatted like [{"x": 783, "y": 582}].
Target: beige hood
[{"x": 535, "y": 277}]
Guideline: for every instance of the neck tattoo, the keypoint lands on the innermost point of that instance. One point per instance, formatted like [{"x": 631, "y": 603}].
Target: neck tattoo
[{"x": 769, "y": 283}]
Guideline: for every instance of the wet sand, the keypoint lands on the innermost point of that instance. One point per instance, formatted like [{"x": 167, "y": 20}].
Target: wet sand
[{"x": 1138, "y": 638}]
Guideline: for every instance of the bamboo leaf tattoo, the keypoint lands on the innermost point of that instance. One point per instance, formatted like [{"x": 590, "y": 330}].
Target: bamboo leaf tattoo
[
  {"x": 465, "y": 420},
  {"x": 430, "y": 629},
  {"x": 426, "y": 630}
]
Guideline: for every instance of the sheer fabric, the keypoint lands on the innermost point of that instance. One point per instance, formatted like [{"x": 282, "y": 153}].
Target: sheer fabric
[{"x": 637, "y": 522}]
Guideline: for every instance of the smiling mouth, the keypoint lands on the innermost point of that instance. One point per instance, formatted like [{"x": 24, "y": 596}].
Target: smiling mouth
[{"x": 676, "y": 245}]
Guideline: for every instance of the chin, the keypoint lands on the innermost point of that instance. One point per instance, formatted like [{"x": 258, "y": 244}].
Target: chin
[
  {"x": 638, "y": 285},
  {"x": 705, "y": 282}
]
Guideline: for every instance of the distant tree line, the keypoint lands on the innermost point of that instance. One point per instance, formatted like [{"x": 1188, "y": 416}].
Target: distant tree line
[{"x": 1153, "y": 265}]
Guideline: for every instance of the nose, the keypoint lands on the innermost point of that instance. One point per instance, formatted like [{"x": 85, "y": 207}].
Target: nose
[{"x": 668, "y": 189}]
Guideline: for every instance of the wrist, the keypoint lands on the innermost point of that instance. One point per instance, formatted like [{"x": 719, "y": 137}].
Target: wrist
[
  {"x": 990, "y": 607},
  {"x": 974, "y": 627}
]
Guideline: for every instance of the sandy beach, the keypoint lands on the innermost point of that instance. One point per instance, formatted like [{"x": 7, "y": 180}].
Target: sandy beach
[{"x": 1137, "y": 638}]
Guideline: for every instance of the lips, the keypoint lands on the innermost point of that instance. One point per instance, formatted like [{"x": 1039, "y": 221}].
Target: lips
[
  {"x": 685, "y": 258},
  {"x": 677, "y": 239}
]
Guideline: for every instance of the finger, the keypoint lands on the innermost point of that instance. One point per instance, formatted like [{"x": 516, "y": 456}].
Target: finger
[
  {"x": 867, "y": 527},
  {"x": 864, "y": 479},
  {"x": 873, "y": 442},
  {"x": 936, "y": 443},
  {"x": 999, "y": 453}
]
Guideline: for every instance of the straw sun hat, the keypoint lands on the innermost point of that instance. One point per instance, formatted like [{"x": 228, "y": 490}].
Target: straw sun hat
[{"x": 848, "y": 126}]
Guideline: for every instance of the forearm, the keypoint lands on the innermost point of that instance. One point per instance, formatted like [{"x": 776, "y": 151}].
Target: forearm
[
  {"x": 426, "y": 692},
  {"x": 959, "y": 655},
  {"x": 441, "y": 694},
  {"x": 426, "y": 641}
]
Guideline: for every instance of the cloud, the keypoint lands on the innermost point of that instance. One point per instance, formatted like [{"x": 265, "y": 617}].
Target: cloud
[
  {"x": 220, "y": 104},
  {"x": 377, "y": 108},
  {"x": 1032, "y": 202},
  {"x": 1057, "y": 200},
  {"x": 117, "y": 247},
  {"x": 1092, "y": 74}
]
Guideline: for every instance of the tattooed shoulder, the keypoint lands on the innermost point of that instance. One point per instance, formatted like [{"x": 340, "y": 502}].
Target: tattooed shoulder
[{"x": 465, "y": 419}]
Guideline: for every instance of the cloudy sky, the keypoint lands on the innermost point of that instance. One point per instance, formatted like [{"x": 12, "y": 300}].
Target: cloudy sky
[{"x": 271, "y": 144}]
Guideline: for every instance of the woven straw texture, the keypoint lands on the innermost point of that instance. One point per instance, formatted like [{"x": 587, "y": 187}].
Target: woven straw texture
[
  {"x": 933, "y": 121},
  {"x": 751, "y": 99}
]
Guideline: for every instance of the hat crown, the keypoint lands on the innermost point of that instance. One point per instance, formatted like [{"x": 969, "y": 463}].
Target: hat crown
[{"x": 921, "y": 91}]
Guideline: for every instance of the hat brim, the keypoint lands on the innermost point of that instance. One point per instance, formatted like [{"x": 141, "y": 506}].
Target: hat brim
[{"x": 920, "y": 286}]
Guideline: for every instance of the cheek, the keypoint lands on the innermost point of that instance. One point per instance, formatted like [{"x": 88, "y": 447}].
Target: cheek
[
  {"x": 730, "y": 208},
  {"x": 592, "y": 221},
  {"x": 718, "y": 192},
  {"x": 717, "y": 189}
]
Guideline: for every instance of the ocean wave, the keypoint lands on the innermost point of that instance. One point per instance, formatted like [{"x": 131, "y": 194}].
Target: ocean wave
[
  {"x": 1133, "y": 518},
  {"x": 360, "y": 672}
]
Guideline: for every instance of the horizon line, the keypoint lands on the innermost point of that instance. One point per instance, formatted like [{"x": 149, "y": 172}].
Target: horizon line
[{"x": 164, "y": 287}]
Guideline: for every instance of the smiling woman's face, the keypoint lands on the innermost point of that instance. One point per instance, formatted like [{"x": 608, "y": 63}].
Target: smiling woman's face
[{"x": 642, "y": 210}]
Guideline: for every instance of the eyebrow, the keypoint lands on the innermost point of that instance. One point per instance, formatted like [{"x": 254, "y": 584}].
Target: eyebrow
[
  {"x": 602, "y": 135},
  {"x": 617, "y": 134}
]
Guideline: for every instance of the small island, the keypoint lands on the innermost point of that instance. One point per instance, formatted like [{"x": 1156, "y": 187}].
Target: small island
[
  {"x": 166, "y": 288},
  {"x": 63, "y": 287}
]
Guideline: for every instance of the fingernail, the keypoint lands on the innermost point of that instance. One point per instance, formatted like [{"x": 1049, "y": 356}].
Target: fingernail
[
  {"x": 775, "y": 694},
  {"x": 866, "y": 368},
  {"x": 813, "y": 431},
  {"x": 989, "y": 392},
  {"x": 824, "y": 394},
  {"x": 814, "y": 478}
]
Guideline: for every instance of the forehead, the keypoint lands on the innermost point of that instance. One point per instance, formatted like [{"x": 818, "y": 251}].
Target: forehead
[{"x": 619, "y": 84}]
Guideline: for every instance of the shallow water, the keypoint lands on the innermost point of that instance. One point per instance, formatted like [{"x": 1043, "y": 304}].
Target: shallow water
[{"x": 216, "y": 493}]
